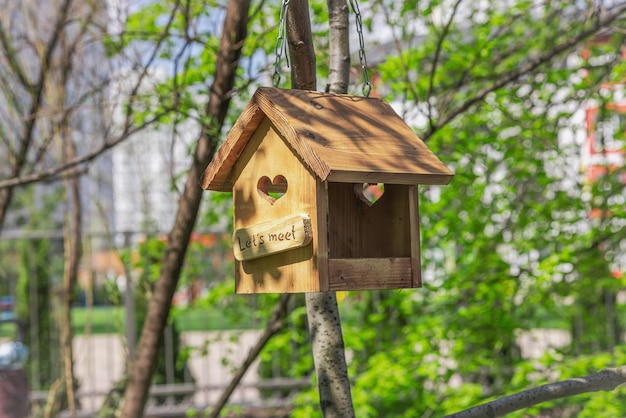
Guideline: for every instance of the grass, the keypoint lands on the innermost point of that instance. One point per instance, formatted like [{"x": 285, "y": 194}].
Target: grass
[
  {"x": 111, "y": 319},
  {"x": 197, "y": 319},
  {"x": 98, "y": 320},
  {"x": 7, "y": 331}
]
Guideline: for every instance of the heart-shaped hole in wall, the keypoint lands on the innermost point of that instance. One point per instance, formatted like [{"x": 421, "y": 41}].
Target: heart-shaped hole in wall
[
  {"x": 272, "y": 190},
  {"x": 369, "y": 193}
]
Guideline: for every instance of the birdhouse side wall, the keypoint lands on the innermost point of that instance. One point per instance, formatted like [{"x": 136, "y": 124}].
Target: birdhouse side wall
[
  {"x": 266, "y": 168},
  {"x": 373, "y": 246},
  {"x": 358, "y": 230}
]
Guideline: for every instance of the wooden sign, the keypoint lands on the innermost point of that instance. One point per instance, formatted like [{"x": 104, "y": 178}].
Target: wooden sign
[{"x": 272, "y": 237}]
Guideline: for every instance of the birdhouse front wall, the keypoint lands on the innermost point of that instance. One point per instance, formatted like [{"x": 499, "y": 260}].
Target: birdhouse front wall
[{"x": 277, "y": 230}]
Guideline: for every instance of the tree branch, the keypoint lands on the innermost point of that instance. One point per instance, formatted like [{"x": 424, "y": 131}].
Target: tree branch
[
  {"x": 398, "y": 46},
  {"x": 142, "y": 370},
  {"x": 11, "y": 54},
  {"x": 36, "y": 92},
  {"x": 532, "y": 65},
  {"x": 606, "y": 380},
  {"x": 85, "y": 158},
  {"x": 438, "y": 50},
  {"x": 322, "y": 311}
]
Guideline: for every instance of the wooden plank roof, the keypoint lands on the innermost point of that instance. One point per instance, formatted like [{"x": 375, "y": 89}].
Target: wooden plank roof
[{"x": 341, "y": 138}]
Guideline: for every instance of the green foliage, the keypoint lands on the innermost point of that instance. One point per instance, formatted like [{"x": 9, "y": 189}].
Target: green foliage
[
  {"x": 509, "y": 246},
  {"x": 34, "y": 308},
  {"x": 33, "y": 265},
  {"x": 98, "y": 320},
  {"x": 185, "y": 59},
  {"x": 288, "y": 353},
  {"x": 200, "y": 317}
]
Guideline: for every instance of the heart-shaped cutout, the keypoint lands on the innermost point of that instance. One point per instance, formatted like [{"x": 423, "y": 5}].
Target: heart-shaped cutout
[
  {"x": 369, "y": 193},
  {"x": 272, "y": 190}
]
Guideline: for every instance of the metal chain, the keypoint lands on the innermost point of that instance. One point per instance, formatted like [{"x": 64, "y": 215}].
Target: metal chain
[
  {"x": 280, "y": 46},
  {"x": 367, "y": 85},
  {"x": 280, "y": 43}
]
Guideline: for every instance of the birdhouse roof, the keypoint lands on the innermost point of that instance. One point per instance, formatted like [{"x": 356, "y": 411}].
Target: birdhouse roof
[{"x": 340, "y": 138}]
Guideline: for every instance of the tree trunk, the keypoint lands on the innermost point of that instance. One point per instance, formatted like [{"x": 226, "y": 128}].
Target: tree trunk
[
  {"x": 233, "y": 36},
  {"x": 322, "y": 310},
  {"x": 72, "y": 247},
  {"x": 329, "y": 355},
  {"x": 300, "y": 41},
  {"x": 339, "y": 47}
]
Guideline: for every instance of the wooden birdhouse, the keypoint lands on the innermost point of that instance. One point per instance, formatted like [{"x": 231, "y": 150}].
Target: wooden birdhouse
[{"x": 299, "y": 163}]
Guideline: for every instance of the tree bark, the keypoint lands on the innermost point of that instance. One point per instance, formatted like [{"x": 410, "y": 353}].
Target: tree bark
[
  {"x": 72, "y": 244},
  {"x": 606, "y": 380},
  {"x": 300, "y": 41},
  {"x": 339, "y": 47},
  {"x": 73, "y": 224},
  {"x": 329, "y": 355},
  {"x": 322, "y": 311},
  {"x": 233, "y": 36}
]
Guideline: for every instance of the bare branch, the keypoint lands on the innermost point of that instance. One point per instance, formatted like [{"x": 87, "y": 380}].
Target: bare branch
[
  {"x": 398, "y": 47},
  {"x": 36, "y": 92},
  {"x": 606, "y": 380},
  {"x": 85, "y": 158},
  {"x": 14, "y": 64},
  {"x": 438, "y": 50}
]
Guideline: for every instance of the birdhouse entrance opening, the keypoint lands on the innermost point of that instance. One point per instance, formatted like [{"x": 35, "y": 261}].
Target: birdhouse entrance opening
[
  {"x": 369, "y": 192},
  {"x": 272, "y": 190}
]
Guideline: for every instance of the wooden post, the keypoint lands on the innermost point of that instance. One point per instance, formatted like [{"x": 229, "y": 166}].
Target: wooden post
[{"x": 322, "y": 311}]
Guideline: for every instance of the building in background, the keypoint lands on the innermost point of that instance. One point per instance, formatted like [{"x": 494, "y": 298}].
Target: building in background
[{"x": 603, "y": 157}]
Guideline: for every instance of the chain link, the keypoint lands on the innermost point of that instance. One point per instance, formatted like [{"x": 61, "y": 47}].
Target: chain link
[
  {"x": 280, "y": 43},
  {"x": 367, "y": 85}
]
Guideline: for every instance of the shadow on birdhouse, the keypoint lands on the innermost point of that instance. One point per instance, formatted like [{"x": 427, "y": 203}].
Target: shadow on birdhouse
[{"x": 325, "y": 190}]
